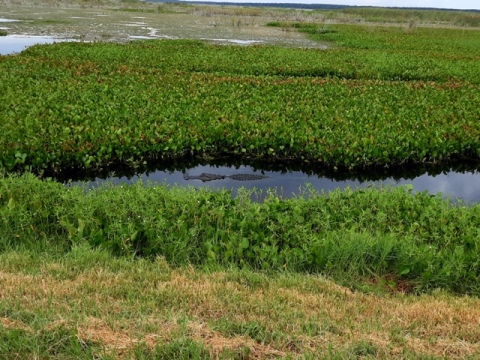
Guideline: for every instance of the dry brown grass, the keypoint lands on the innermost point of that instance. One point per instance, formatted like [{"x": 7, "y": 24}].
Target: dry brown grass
[
  {"x": 117, "y": 341},
  {"x": 151, "y": 304},
  {"x": 15, "y": 324},
  {"x": 217, "y": 342}
]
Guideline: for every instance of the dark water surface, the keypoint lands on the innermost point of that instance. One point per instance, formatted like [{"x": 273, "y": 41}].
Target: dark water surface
[{"x": 461, "y": 181}]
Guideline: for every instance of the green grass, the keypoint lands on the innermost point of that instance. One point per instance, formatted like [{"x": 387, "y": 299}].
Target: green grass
[
  {"x": 432, "y": 17},
  {"x": 416, "y": 242},
  {"x": 60, "y": 343},
  {"x": 435, "y": 43}
]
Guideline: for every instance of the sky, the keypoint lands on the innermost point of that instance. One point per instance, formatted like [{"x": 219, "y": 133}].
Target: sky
[{"x": 445, "y": 4}]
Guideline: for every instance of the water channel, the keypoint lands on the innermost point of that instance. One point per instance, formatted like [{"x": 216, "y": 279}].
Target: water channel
[{"x": 457, "y": 181}]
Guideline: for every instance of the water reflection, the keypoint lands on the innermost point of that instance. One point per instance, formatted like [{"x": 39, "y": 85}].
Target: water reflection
[
  {"x": 16, "y": 43},
  {"x": 459, "y": 182},
  {"x": 3, "y": 20},
  {"x": 235, "y": 41}
]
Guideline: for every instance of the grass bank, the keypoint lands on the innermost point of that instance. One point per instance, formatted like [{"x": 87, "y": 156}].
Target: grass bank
[
  {"x": 404, "y": 241},
  {"x": 87, "y": 304}
]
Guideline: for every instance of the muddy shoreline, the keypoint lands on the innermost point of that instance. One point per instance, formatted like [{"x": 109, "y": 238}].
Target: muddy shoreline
[{"x": 119, "y": 22}]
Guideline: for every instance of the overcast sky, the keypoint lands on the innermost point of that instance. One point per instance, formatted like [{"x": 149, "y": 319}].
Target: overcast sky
[{"x": 446, "y": 4}]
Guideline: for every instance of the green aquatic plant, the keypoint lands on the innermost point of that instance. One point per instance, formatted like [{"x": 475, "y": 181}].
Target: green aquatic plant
[{"x": 94, "y": 105}]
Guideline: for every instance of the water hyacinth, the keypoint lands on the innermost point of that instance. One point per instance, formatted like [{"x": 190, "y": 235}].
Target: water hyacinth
[{"x": 385, "y": 98}]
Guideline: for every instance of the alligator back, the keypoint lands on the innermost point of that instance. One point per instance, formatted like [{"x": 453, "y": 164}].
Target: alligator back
[
  {"x": 210, "y": 177},
  {"x": 246, "y": 177},
  {"x": 204, "y": 177}
]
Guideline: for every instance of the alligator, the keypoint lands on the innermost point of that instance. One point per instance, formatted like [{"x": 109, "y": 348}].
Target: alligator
[{"x": 209, "y": 177}]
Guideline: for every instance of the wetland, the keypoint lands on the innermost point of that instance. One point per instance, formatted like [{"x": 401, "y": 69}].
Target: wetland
[
  {"x": 151, "y": 21},
  {"x": 143, "y": 24},
  {"x": 153, "y": 95}
]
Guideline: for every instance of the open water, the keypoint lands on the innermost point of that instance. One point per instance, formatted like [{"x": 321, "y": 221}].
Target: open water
[
  {"x": 458, "y": 182},
  {"x": 11, "y": 44}
]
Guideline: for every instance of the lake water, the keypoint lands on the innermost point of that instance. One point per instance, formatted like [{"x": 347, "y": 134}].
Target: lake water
[
  {"x": 456, "y": 183},
  {"x": 16, "y": 43},
  {"x": 3, "y": 20}
]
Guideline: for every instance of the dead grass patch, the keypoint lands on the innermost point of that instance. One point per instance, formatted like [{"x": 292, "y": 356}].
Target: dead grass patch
[
  {"x": 217, "y": 343},
  {"x": 98, "y": 331},
  {"x": 8, "y": 323},
  {"x": 119, "y": 342},
  {"x": 121, "y": 311}
]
